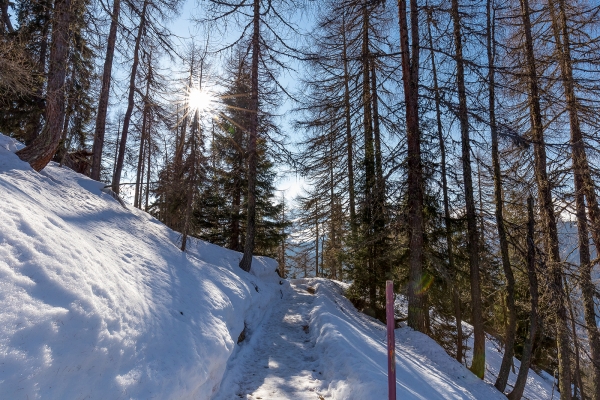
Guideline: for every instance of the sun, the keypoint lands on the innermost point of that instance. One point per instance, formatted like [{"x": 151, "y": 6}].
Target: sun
[{"x": 200, "y": 100}]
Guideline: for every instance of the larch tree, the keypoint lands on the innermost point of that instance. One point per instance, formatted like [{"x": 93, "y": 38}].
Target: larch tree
[
  {"x": 266, "y": 46},
  {"x": 546, "y": 206}
]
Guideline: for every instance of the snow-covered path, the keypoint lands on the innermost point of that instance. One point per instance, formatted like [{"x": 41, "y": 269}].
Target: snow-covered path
[{"x": 282, "y": 363}]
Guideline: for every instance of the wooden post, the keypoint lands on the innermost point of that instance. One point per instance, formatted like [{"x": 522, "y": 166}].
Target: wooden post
[{"x": 391, "y": 340}]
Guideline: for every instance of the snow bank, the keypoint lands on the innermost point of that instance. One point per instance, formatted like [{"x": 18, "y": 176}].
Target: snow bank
[
  {"x": 353, "y": 357},
  {"x": 99, "y": 303}
]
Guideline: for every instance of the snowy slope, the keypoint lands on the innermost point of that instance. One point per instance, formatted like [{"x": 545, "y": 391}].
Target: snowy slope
[
  {"x": 98, "y": 302},
  {"x": 353, "y": 358}
]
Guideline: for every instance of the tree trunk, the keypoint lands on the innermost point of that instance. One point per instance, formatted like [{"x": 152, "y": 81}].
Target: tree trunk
[
  {"x": 410, "y": 78},
  {"x": 180, "y": 143},
  {"x": 369, "y": 160},
  {"x": 41, "y": 69},
  {"x": 149, "y": 151},
  {"x": 478, "y": 364},
  {"x": 234, "y": 239},
  {"x": 380, "y": 181},
  {"x": 578, "y": 384},
  {"x": 511, "y": 325},
  {"x": 246, "y": 261},
  {"x": 137, "y": 201},
  {"x": 116, "y": 181},
  {"x": 519, "y": 387},
  {"x": 447, "y": 219},
  {"x": 348, "y": 127},
  {"x": 104, "y": 93},
  {"x": 332, "y": 230},
  {"x": 191, "y": 184},
  {"x": 5, "y": 24},
  {"x": 547, "y": 211},
  {"x": 117, "y": 145},
  {"x": 317, "y": 239},
  {"x": 41, "y": 150},
  {"x": 581, "y": 174}
]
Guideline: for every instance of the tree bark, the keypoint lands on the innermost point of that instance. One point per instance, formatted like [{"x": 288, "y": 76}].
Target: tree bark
[
  {"x": 41, "y": 150},
  {"x": 246, "y": 261},
  {"x": 100, "y": 128},
  {"x": 547, "y": 210},
  {"x": 130, "y": 101}
]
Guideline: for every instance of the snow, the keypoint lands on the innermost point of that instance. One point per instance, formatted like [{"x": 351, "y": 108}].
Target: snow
[
  {"x": 98, "y": 302},
  {"x": 538, "y": 387},
  {"x": 318, "y": 346}
]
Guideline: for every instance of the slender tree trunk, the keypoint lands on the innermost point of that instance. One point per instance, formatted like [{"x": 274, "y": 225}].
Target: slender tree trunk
[
  {"x": 578, "y": 384},
  {"x": 581, "y": 174},
  {"x": 116, "y": 181},
  {"x": 282, "y": 259},
  {"x": 234, "y": 242},
  {"x": 140, "y": 165},
  {"x": 519, "y": 387},
  {"x": 65, "y": 141},
  {"x": 41, "y": 69},
  {"x": 348, "y": 127},
  {"x": 369, "y": 160},
  {"x": 511, "y": 325},
  {"x": 246, "y": 261},
  {"x": 380, "y": 256},
  {"x": 234, "y": 239},
  {"x": 547, "y": 211},
  {"x": 410, "y": 76},
  {"x": 478, "y": 364},
  {"x": 6, "y": 25},
  {"x": 117, "y": 146},
  {"x": 191, "y": 184},
  {"x": 316, "y": 241},
  {"x": 148, "y": 173},
  {"x": 332, "y": 230},
  {"x": 104, "y": 93},
  {"x": 41, "y": 150},
  {"x": 447, "y": 218},
  {"x": 181, "y": 137},
  {"x": 380, "y": 181}
]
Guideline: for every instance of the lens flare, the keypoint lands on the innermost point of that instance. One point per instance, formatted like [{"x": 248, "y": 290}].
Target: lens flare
[
  {"x": 425, "y": 283},
  {"x": 200, "y": 100}
]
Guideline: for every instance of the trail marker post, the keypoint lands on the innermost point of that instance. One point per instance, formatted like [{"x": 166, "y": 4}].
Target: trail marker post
[{"x": 391, "y": 340}]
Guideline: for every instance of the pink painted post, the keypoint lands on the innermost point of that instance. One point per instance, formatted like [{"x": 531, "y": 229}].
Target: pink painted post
[{"x": 391, "y": 340}]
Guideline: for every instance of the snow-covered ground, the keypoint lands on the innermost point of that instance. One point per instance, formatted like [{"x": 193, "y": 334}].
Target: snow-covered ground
[{"x": 97, "y": 302}]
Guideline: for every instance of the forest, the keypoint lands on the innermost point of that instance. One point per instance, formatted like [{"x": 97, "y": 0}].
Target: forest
[{"x": 451, "y": 147}]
